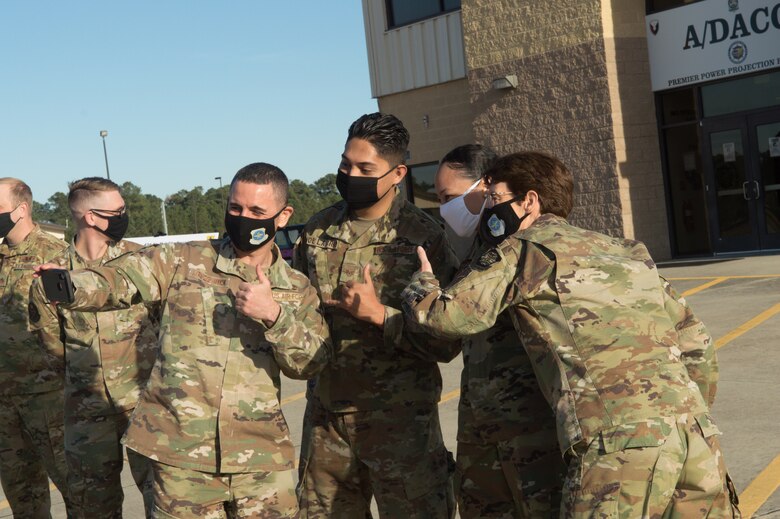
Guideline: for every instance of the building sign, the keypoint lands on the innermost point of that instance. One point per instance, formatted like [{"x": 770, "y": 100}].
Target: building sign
[{"x": 712, "y": 39}]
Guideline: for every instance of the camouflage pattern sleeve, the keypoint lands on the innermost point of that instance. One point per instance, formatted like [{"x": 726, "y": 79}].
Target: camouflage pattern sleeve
[
  {"x": 300, "y": 337},
  {"x": 141, "y": 275},
  {"x": 418, "y": 341},
  {"x": 695, "y": 343},
  {"x": 471, "y": 304}
]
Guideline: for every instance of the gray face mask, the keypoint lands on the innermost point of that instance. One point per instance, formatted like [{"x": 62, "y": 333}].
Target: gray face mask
[{"x": 6, "y": 223}]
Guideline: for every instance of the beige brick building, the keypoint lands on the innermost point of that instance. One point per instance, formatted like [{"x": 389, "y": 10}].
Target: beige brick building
[{"x": 577, "y": 78}]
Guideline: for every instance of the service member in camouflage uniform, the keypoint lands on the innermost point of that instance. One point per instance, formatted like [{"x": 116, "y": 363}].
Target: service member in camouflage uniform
[
  {"x": 625, "y": 364},
  {"x": 235, "y": 315},
  {"x": 508, "y": 464},
  {"x": 372, "y": 425},
  {"x": 108, "y": 357},
  {"x": 31, "y": 445}
]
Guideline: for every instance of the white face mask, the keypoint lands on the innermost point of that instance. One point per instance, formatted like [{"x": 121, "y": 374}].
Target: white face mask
[{"x": 458, "y": 216}]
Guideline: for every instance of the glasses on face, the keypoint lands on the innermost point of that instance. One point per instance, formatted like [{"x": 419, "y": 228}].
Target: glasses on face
[
  {"x": 497, "y": 197},
  {"x": 106, "y": 213}
]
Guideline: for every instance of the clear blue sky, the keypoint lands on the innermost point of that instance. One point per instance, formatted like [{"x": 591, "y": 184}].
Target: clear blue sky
[{"x": 187, "y": 89}]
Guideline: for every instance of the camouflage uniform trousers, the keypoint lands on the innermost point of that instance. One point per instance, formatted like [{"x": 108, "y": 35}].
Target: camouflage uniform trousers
[
  {"x": 396, "y": 455},
  {"x": 184, "y": 493},
  {"x": 32, "y": 451},
  {"x": 94, "y": 455},
  {"x": 516, "y": 478},
  {"x": 682, "y": 476}
]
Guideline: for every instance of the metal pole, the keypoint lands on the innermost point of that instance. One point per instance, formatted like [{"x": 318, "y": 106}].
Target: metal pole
[
  {"x": 103, "y": 134},
  {"x": 164, "y": 218}
]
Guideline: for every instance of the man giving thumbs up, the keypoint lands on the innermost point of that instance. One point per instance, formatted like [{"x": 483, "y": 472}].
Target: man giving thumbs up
[{"x": 234, "y": 316}]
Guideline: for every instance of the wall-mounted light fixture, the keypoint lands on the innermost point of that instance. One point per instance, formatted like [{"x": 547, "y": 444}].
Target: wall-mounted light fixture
[
  {"x": 504, "y": 82},
  {"x": 426, "y": 121}
]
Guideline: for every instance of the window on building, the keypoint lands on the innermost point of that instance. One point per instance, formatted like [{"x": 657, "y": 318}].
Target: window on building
[
  {"x": 743, "y": 94},
  {"x": 653, "y": 6},
  {"x": 423, "y": 190},
  {"x": 404, "y": 12},
  {"x": 684, "y": 172}
]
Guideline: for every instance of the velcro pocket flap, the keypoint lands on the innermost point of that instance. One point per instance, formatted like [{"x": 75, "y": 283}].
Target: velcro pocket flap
[
  {"x": 648, "y": 433},
  {"x": 708, "y": 427}
]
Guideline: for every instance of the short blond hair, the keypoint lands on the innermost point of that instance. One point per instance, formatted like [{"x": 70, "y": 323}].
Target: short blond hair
[
  {"x": 84, "y": 189},
  {"x": 20, "y": 192}
]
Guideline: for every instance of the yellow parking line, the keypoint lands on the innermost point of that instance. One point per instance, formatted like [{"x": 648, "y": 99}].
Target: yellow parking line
[
  {"x": 696, "y": 290},
  {"x": 752, "y": 276},
  {"x": 746, "y": 327},
  {"x": 293, "y": 398},
  {"x": 760, "y": 489}
]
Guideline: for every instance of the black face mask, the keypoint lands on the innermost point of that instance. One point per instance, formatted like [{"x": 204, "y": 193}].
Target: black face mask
[
  {"x": 117, "y": 226},
  {"x": 249, "y": 234},
  {"x": 499, "y": 221},
  {"x": 360, "y": 192},
  {"x": 6, "y": 224}
]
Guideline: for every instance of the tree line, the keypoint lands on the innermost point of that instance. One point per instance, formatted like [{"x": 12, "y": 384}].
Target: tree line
[{"x": 193, "y": 211}]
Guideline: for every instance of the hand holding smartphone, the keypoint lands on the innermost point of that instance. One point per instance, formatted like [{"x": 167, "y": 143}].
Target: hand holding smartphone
[{"x": 57, "y": 285}]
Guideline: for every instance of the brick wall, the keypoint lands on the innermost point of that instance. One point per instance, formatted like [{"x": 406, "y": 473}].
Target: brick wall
[
  {"x": 562, "y": 103},
  {"x": 583, "y": 95},
  {"x": 635, "y": 130},
  {"x": 448, "y": 114}
]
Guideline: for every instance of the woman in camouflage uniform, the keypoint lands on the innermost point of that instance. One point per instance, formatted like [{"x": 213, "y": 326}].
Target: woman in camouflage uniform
[
  {"x": 508, "y": 464},
  {"x": 627, "y": 367}
]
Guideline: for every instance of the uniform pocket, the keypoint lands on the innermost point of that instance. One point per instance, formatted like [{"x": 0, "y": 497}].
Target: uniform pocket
[
  {"x": 618, "y": 466},
  {"x": 187, "y": 319}
]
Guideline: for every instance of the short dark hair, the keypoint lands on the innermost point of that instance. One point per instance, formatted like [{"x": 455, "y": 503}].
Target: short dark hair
[
  {"x": 470, "y": 160},
  {"x": 263, "y": 173},
  {"x": 19, "y": 191},
  {"x": 80, "y": 190},
  {"x": 540, "y": 172},
  {"x": 385, "y": 132}
]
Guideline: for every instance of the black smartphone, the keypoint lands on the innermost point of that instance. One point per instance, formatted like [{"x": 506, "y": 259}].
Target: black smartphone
[{"x": 57, "y": 285}]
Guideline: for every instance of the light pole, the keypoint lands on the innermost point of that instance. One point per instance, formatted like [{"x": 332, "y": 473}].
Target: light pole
[
  {"x": 220, "y": 189},
  {"x": 103, "y": 134}
]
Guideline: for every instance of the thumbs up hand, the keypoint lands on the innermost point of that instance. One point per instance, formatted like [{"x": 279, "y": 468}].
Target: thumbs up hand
[
  {"x": 425, "y": 265},
  {"x": 360, "y": 300},
  {"x": 256, "y": 301}
]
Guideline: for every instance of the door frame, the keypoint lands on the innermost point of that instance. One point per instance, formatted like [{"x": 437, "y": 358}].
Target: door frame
[
  {"x": 758, "y": 240},
  {"x": 738, "y": 244},
  {"x": 766, "y": 241}
]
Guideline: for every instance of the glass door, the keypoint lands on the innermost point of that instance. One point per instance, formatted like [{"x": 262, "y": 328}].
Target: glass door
[
  {"x": 743, "y": 181},
  {"x": 765, "y": 129},
  {"x": 730, "y": 190}
]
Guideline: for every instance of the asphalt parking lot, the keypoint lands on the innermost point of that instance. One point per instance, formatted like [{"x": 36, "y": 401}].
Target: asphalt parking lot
[{"x": 739, "y": 301}]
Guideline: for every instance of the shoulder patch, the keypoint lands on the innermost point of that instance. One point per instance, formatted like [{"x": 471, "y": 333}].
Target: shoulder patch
[
  {"x": 488, "y": 258},
  {"x": 35, "y": 316}
]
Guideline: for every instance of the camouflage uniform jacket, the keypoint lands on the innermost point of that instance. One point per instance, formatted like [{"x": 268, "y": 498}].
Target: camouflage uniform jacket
[
  {"x": 24, "y": 366},
  {"x": 500, "y": 398},
  {"x": 609, "y": 340},
  {"x": 108, "y": 355},
  {"x": 375, "y": 368},
  {"x": 212, "y": 402}
]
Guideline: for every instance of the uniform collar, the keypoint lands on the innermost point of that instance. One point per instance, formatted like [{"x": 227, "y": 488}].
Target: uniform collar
[
  {"x": 384, "y": 229},
  {"x": 21, "y": 247},
  {"x": 227, "y": 263},
  {"x": 114, "y": 250}
]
